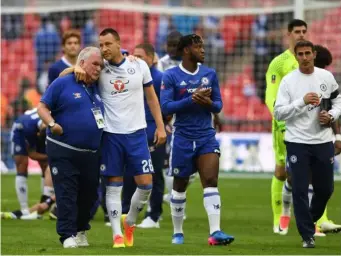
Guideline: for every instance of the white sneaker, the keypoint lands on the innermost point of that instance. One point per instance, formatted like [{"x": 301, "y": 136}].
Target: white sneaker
[
  {"x": 70, "y": 242},
  {"x": 329, "y": 226},
  {"x": 81, "y": 239},
  {"x": 31, "y": 216},
  {"x": 148, "y": 223}
]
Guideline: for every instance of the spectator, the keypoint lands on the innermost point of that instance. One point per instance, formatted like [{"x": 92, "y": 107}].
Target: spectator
[
  {"x": 47, "y": 43},
  {"x": 265, "y": 48}
]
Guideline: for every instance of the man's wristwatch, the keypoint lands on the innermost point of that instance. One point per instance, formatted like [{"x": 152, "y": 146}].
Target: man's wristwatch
[{"x": 51, "y": 124}]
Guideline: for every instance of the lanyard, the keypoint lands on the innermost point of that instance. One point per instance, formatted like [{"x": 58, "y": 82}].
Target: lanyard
[{"x": 87, "y": 92}]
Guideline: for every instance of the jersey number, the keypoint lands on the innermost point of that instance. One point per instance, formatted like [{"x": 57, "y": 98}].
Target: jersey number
[{"x": 147, "y": 166}]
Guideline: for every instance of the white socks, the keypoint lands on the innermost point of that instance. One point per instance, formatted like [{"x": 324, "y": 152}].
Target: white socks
[
  {"x": 22, "y": 192},
  {"x": 114, "y": 206},
  {"x": 169, "y": 184},
  {"x": 42, "y": 184},
  {"x": 212, "y": 204},
  {"x": 286, "y": 199},
  {"x": 178, "y": 206},
  {"x": 138, "y": 201}
]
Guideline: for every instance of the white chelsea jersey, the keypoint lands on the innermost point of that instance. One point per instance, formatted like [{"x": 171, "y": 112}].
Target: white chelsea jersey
[
  {"x": 121, "y": 90},
  {"x": 302, "y": 121},
  {"x": 166, "y": 63}
]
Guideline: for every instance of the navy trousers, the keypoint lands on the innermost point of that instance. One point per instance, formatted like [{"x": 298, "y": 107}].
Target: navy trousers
[
  {"x": 305, "y": 161},
  {"x": 75, "y": 176},
  {"x": 156, "y": 198}
]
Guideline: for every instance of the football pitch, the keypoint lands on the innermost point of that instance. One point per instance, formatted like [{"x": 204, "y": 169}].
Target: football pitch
[{"x": 246, "y": 214}]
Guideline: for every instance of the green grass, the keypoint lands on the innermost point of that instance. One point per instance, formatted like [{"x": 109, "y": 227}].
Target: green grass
[{"x": 246, "y": 214}]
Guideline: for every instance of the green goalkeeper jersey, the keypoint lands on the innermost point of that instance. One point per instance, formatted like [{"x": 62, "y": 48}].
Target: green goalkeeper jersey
[{"x": 279, "y": 67}]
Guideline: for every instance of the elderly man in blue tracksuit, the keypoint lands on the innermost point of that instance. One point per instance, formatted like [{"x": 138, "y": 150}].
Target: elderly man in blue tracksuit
[{"x": 73, "y": 112}]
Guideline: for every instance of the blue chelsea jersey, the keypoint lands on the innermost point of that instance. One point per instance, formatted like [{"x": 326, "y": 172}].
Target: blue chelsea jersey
[
  {"x": 56, "y": 68},
  {"x": 28, "y": 123},
  {"x": 191, "y": 120}
]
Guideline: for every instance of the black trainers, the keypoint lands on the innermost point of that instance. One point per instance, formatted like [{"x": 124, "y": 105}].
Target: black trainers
[{"x": 309, "y": 243}]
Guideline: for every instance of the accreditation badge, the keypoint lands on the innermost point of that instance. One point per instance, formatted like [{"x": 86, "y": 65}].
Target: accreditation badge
[{"x": 98, "y": 117}]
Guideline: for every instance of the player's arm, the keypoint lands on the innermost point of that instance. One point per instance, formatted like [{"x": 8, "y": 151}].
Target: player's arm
[
  {"x": 47, "y": 103},
  {"x": 154, "y": 106},
  {"x": 273, "y": 80},
  {"x": 335, "y": 98},
  {"x": 34, "y": 155},
  {"x": 217, "y": 103},
  {"x": 168, "y": 105},
  {"x": 285, "y": 108},
  {"x": 337, "y": 144},
  {"x": 69, "y": 71}
]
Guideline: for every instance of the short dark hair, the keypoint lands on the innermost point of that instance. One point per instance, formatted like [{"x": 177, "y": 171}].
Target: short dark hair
[
  {"x": 304, "y": 44},
  {"x": 323, "y": 56},
  {"x": 148, "y": 48},
  {"x": 296, "y": 23},
  {"x": 110, "y": 31},
  {"x": 174, "y": 35},
  {"x": 188, "y": 40}
]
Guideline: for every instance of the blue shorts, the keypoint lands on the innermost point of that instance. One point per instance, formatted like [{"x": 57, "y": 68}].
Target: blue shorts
[
  {"x": 18, "y": 143},
  {"x": 128, "y": 152},
  {"x": 184, "y": 152}
]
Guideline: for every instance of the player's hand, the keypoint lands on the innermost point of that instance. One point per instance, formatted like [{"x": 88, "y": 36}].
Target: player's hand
[
  {"x": 160, "y": 136},
  {"x": 324, "y": 118},
  {"x": 203, "y": 92},
  {"x": 280, "y": 125},
  {"x": 311, "y": 98},
  {"x": 132, "y": 58},
  {"x": 169, "y": 128},
  {"x": 57, "y": 129},
  {"x": 80, "y": 73},
  {"x": 202, "y": 100},
  {"x": 66, "y": 71},
  {"x": 337, "y": 147}
]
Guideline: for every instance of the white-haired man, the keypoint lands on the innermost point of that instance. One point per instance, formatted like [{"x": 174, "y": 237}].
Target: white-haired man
[{"x": 73, "y": 112}]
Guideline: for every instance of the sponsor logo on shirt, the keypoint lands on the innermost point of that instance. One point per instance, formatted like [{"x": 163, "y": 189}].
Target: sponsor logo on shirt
[
  {"x": 192, "y": 90},
  {"x": 311, "y": 107},
  {"x": 119, "y": 85}
]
